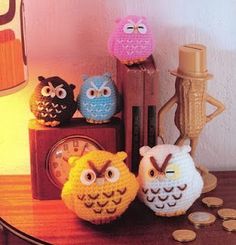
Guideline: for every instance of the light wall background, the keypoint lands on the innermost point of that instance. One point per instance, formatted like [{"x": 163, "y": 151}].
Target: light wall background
[{"x": 69, "y": 38}]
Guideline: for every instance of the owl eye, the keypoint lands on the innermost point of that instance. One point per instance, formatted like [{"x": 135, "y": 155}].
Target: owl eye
[
  {"x": 46, "y": 91},
  {"x": 91, "y": 93},
  {"x": 152, "y": 173},
  {"x": 87, "y": 177},
  {"x": 172, "y": 172},
  {"x": 112, "y": 174},
  {"x": 128, "y": 28},
  {"x": 61, "y": 93},
  {"x": 142, "y": 28},
  {"x": 106, "y": 92}
]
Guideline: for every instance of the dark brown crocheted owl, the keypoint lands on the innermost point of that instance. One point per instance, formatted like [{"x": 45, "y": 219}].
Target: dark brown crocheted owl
[{"x": 53, "y": 102}]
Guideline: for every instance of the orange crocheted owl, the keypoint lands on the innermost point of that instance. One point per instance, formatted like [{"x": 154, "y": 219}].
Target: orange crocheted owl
[{"x": 100, "y": 186}]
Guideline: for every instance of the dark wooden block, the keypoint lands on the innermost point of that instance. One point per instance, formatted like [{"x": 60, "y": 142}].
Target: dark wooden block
[{"x": 138, "y": 84}]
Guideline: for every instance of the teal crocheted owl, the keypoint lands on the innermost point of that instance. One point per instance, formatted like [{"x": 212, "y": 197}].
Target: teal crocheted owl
[{"x": 99, "y": 98}]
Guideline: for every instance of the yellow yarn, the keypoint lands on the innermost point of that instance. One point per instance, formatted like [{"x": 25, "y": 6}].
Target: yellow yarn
[{"x": 101, "y": 201}]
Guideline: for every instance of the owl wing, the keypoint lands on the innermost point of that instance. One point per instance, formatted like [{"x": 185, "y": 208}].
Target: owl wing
[
  {"x": 72, "y": 109},
  {"x": 197, "y": 184},
  {"x": 67, "y": 196},
  {"x": 33, "y": 105}
]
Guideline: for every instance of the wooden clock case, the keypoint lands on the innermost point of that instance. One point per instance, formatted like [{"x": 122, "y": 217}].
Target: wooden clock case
[{"x": 42, "y": 139}]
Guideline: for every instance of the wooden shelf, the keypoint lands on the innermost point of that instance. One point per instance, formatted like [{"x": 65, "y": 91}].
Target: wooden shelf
[{"x": 43, "y": 222}]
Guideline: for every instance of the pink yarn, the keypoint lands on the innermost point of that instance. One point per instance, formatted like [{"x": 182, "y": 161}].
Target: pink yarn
[{"x": 132, "y": 39}]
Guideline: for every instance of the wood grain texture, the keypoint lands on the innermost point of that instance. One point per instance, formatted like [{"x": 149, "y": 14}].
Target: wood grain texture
[
  {"x": 52, "y": 222},
  {"x": 42, "y": 139},
  {"x": 139, "y": 85}
]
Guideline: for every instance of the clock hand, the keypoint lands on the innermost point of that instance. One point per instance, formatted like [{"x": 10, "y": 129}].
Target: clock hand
[
  {"x": 65, "y": 159},
  {"x": 82, "y": 152}
]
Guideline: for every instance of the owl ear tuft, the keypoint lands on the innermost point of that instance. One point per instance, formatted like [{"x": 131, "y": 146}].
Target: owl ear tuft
[
  {"x": 72, "y": 160},
  {"x": 107, "y": 74},
  {"x": 41, "y": 78},
  {"x": 118, "y": 20},
  {"x": 72, "y": 86},
  {"x": 143, "y": 150},
  {"x": 185, "y": 148},
  {"x": 121, "y": 155},
  {"x": 144, "y": 17},
  {"x": 85, "y": 77}
]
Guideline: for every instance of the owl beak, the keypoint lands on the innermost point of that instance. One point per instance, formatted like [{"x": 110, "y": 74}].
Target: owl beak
[
  {"x": 52, "y": 94},
  {"x": 100, "y": 181},
  {"x": 160, "y": 176},
  {"x": 135, "y": 29},
  {"x": 99, "y": 94}
]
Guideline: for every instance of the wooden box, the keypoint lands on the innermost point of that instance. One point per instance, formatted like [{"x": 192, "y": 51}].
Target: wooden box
[
  {"x": 50, "y": 149},
  {"x": 138, "y": 84}
]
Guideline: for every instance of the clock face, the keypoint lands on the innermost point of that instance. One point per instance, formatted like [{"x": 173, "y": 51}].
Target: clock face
[{"x": 57, "y": 160}]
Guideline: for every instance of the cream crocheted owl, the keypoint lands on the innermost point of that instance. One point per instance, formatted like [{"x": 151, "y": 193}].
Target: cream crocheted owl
[
  {"x": 100, "y": 186},
  {"x": 169, "y": 181}
]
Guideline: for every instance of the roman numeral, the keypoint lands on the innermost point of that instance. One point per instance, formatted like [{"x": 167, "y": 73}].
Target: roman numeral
[
  {"x": 65, "y": 147},
  {"x": 75, "y": 143}
]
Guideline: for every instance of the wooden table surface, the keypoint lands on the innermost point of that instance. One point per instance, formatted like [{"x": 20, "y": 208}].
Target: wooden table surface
[{"x": 52, "y": 222}]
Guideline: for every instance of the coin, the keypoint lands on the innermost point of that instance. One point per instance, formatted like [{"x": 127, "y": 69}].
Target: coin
[
  {"x": 184, "y": 235},
  {"x": 212, "y": 202},
  {"x": 201, "y": 218},
  {"x": 227, "y": 213},
  {"x": 230, "y": 225}
]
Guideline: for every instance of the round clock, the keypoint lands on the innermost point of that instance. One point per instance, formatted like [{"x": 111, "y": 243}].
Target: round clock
[{"x": 57, "y": 160}]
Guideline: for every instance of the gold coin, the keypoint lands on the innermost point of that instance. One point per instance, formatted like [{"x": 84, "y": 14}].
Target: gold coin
[
  {"x": 212, "y": 202},
  {"x": 227, "y": 213},
  {"x": 184, "y": 235},
  {"x": 230, "y": 225},
  {"x": 201, "y": 218}
]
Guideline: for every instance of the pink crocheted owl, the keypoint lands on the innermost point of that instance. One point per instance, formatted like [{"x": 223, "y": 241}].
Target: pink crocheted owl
[{"x": 132, "y": 40}]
